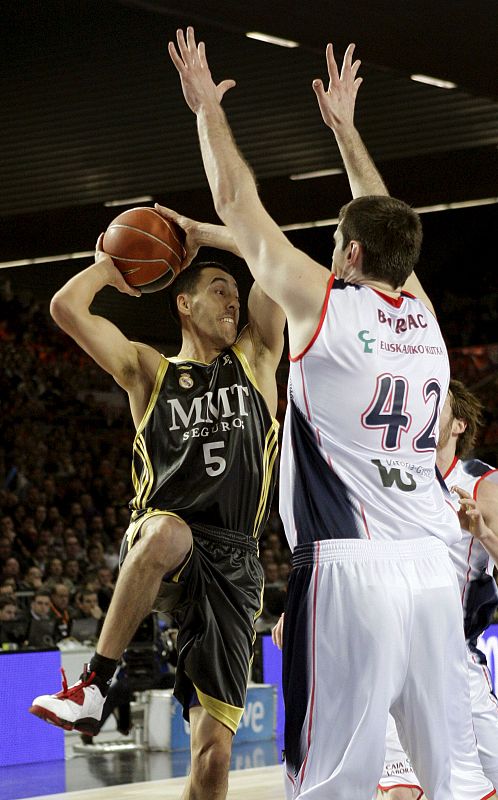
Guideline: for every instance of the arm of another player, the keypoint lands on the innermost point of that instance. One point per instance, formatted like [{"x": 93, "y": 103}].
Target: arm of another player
[
  {"x": 480, "y": 517},
  {"x": 337, "y": 107},
  {"x": 200, "y": 234},
  {"x": 289, "y": 277},
  {"x": 103, "y": 341}
]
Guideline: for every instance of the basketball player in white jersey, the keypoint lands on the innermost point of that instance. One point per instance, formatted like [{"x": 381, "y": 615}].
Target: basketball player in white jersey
[
  {"x": 474, "y": 556},
  {"x": 373, "y": 601}
]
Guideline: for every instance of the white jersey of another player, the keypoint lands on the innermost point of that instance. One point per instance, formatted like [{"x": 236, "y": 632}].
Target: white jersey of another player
[
  {"x": 472, "y": 562},
  {"x": 358, "y": 458}
]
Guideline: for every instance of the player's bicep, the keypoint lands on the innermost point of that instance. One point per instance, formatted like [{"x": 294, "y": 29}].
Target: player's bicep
[
  {"x": 487, "y": 501},
  {"x": 101, "y": 340}
]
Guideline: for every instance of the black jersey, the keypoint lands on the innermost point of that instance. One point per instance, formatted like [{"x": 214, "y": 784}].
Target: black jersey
[{"x": 207, "y": 444}]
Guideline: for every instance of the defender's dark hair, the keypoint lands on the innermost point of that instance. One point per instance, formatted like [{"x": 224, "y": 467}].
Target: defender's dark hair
[
  {"x": 390, "y": 233},
  {"x": 467, "y": 407},
  {"x": 187, "y": 281}
]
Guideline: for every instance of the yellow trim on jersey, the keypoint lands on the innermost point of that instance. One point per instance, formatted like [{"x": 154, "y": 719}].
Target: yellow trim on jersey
[
  {"x": 250, "y": 374},
  {"x": 178, "y": 360},
  {"x": 246, "y": 366},
  {"x": 161, "y": 372},
  {"x": 256, "y": 616},
  {"x": 143, "y": 484},
  {"x": 147, "y": 475},
  {"x": 269, "y": 455},
  {"x": 228, "y": 715},
  {"x": 135, "y": 525}
]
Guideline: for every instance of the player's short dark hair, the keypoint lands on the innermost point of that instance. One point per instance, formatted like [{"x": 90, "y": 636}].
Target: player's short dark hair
[
  {"x": 390, "y": 232},
  {"x": 187, "y": 281},
  {"x": 467, "y": 407}
]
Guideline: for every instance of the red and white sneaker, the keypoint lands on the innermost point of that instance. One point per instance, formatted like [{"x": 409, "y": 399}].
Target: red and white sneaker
[{"x": 78, "y": 707}]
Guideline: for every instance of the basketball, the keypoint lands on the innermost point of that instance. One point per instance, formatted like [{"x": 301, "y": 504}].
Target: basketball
[{"x": 147, "y": 248}]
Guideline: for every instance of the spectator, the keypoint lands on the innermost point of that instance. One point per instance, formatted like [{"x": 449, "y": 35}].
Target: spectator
[
  {"x": 40, "y": 607},
  {"x": 32, "y": 580},
  {"x": 87, "y": 605},
  {"x": 59, "y": 608}
]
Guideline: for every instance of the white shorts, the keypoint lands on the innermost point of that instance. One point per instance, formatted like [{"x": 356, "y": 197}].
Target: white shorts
[
  {"x": 373, "y": 626},
  {"x": 398, "y": 770}
]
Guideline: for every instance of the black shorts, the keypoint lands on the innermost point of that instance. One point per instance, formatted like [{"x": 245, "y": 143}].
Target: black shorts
[{"x": 215, "y": 598}]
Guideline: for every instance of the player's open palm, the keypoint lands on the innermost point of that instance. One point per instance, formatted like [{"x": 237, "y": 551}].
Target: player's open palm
[
  {"x": 190, "y": 60},
  {"x": 338, "y": 101}
]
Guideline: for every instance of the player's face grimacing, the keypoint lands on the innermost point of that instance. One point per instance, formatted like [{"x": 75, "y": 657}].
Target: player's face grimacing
[{"x": 216, "y": 307}]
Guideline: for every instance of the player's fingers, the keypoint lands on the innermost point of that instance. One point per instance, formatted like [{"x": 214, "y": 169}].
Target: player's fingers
[
  {"x": 167, "y": 212},
  {"x": 224, "y": 87},
  {"x": 191, "y": 41},
  {"x": 99, "y": 248},
  {"x": 356, "y": 66},
  {"x": 177, "y": 61},
  {"x": 319, "y": 89},
  {"x": 357, "y": 84},
  {"x": 346, "y": 61},
  {"x": 460, "y": 492},
  {"x": 182, "y": 45},
  {"x": 331, "y": 64}
]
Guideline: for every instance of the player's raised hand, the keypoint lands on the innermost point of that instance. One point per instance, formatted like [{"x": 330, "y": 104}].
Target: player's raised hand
[
  {"x": 470, "y": 516},
  {"x": 112, "y": 274},
  {"x": 192, "y": 230},
  {"x": 338, "y": 101},
  {"x": 191, "y": 63}
]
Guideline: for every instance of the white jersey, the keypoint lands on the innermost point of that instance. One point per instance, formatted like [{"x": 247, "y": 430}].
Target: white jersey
[
  {"x": 358, "y": 457},
  {"x": 472, "y": 562}
]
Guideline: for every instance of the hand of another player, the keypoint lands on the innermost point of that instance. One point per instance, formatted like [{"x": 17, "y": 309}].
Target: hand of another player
[
  {"x": 337, "y": 103},
  {"x": 277, "y": 633},
  {"x": 198, "y": 86},
  {"x": 192, "y": 230},
  {"x": 112, "y": 274},
  {"x": 470, "y": 516}
]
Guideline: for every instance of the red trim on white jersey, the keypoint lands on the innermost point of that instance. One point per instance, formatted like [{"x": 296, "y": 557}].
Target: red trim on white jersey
[
  {"x": 402, "y": 786},
  {"x": 451, "y": 467},
  {"x": 487, "y": 796},
  {"x": 393, "y": 301},
  {"x": 320, "y": 323},
  {"x": 364, "y": 520},
  {"x": 483, "y": 477}
]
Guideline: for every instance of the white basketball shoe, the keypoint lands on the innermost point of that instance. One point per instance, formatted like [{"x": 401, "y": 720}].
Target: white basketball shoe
[{"x": 77, "y": 707}]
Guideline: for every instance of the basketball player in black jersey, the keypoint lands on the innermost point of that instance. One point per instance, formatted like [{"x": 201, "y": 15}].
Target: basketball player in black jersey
[{"x": 203, "y": 471}]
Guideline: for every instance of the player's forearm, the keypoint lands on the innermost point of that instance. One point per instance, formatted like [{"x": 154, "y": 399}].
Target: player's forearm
[
  {"x": 74, "y": 299},
  {"x": 218, "y": 236},
  {"x": 364, "y": 177},
  {"x": 227, "y": 173}
]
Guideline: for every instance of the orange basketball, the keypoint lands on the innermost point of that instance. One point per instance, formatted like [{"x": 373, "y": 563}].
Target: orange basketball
[{"x": 148, "y": 249}]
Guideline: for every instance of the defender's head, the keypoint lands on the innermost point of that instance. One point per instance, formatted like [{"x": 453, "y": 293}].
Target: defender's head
[
  {"x": 379, "y": 236},
  {"x": 461, "y": 418}
]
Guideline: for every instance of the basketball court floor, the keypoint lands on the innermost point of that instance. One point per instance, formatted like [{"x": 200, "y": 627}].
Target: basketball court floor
[{"x": 115, "y": 768}]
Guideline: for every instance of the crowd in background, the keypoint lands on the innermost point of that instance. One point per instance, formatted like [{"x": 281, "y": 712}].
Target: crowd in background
[{"x": 65, "y": 481}]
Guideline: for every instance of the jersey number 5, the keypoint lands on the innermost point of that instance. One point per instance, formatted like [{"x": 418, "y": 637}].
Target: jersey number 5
[
  {"x": 388, "y": 412},
  {"x": 215, "y": 465}
]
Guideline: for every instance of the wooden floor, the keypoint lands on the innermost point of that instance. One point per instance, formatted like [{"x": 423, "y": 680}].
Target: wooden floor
[{"x": 265, "y": 783}]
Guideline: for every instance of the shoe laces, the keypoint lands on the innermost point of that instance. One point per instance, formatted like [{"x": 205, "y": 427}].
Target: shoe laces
[{"x": 85, "y": 680}]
